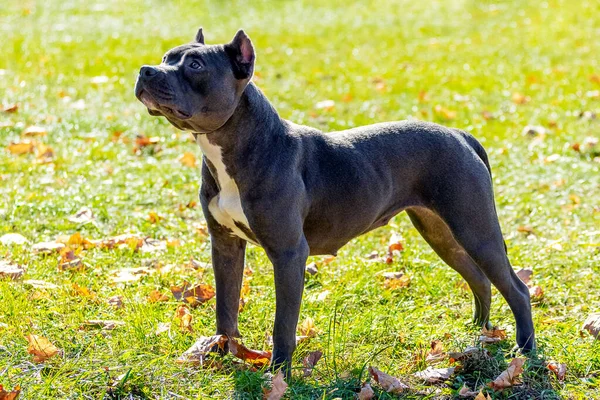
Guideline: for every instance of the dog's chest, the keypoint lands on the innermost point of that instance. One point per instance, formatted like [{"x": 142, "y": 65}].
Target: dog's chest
[{"x": 226, "y": 206}]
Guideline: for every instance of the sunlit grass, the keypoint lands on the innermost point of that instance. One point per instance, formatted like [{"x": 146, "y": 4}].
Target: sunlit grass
[{"x": 463, "y": 64}]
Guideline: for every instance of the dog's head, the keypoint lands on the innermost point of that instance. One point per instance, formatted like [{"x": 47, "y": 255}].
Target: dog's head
[{"x": 197, "y": 87}]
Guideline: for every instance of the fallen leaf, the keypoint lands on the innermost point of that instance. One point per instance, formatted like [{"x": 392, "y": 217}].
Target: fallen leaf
[
  {"x": 525, "y": 275},
  {"x": 193, "y": 295},
  {"x": 444, "y": 112},
  {"x": 103, "y": 324},
  {"x": 310, "y": 361},
  {"x": 435, "y": 375},
  {"x": 162, "y": 327},
  {"x": 11, "y": 108},
  {"x": 395, "y": 280},
  {"x": 156, "y": 296},
  {"x": 45, "y": 153},
  {"x": 480, "y": 396},
  {"x": 389, "y": 383},
  {"x": 466, "y": 392},
  {"x": 509, "y": 377},
  {"x": 41, "y": 348},
  {"x": 153, "y": 217},
  {"x": 69, "y": 261},
  {"x": 468, "y": 352},
  {"x": 307, "y": 328},
  {"x": 10, "y": 270},
  {"x": 327, "y": 105},
  {"x": 24, "y": 147},
  {"x": 436, "y": 353},
  {"x": 127, "y": 275},
  {"x": 278, "y": 388},
  {"x": 592, "y": 324},
  {"x": 533, "y": 131},
  {"x": 83, "y": 216},
  {"x": 183, "y": 314},
  {"x": 47, "y": 247},
  {"x": 188, "y": 159},
  {"x": 560, "y": 370},
  {"x": 536, "y": 292},
  {"x": 143, "y": 141},
  {"x": 519, "y": 98},
  {"x": 150, "y": 245},
  {"x": 13, "y": 238},
  {"x": 37, "y": 284},
  {"x": 312, "y": 269},
  {"x": 200, "y": 349},
  {"x": 12, "y": 395},
  {"x": 366, "y": 392},
  {"x": 258, "y": 358},
  {"x": 493, "y": 335},
  {"x": 552, "y": 158},
  {"x": 82, "y": 291},
  {"x": 115, "y": 301}
]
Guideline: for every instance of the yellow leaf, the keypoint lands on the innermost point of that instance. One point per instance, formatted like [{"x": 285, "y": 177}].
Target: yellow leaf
[
  {"x": 41, "y": 348},
  {"x": 188, "y": 159}
]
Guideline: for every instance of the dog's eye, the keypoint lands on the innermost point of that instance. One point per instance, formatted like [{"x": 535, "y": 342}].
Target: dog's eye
[{"x": 195, "y": 65}]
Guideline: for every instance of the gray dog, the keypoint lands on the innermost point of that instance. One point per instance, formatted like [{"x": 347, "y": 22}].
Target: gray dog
[{"x": 296, "y": 191}]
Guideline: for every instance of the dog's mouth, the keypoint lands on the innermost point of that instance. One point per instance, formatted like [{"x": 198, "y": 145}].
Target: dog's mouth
[{"x": 154, "y": 106}]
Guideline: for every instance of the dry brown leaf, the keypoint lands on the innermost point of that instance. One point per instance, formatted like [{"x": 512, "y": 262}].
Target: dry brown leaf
[
  {"x": 143, "y": 141},
  {"x": 444, "y": 112},
  {"x": 307, "y": 328},
  {"x": 509, "y": 377},
  {"x": 156, "y": 296},
  {"x": 83, "y": 216},
  {"x": 10, "y": 239},
  {"x": 395, "y": 280},
  {"x": 199, "y": 350},
  {"x": 592, "y": 325},
  {"x": 188, "y": 159},
  {"x": 559, "y": 369},
  {"x": 69, "y": 261},
  {"x": 153, "y": 217},
  {"x": 44, "y": 153},
  {"x": 525, "y": 275},
  {"x": 47, "y": 247},
  {"x": 102, "y": 324},
  {"x": 480, "y": 396},
  {"x": 436, "y": 353},
  {"x": 10, "y": 108},
  {"x": 310, "y": 361},
  {"x": 278, "y": 387},
  {"x": 10, "y": 270},
  {"x": 258, "y": 358},
  {"x": 41, "y": 348},
  {"x": 536, "y": 293},
  {"x": 183, "y": 314},
  {"x": 24, "y": 147},
  {"x": 466, "y": 392},
  {"x": 366, "y": 392},
  {"x": 12, "y": 395},
  {"x": 34, "y": 131},
  {"x": 115, "y": 301},
  {"x": 389, "y": 383},
  {"x": 493, "y": 335},
  {"x": 193, "y": 295},
  {"x": 519, "y": 98},
  {"x": 150, "y": 245},
  {"x": 435, "y": 375}
]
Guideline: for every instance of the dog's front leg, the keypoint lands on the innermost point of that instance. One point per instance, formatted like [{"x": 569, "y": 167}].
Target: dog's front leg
[
  {"x": 289, "y": 265},
  {"x": 228, "y": 266}
]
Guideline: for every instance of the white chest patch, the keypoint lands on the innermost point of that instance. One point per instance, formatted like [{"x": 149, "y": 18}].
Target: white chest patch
[{"x": 226, "y": 206}]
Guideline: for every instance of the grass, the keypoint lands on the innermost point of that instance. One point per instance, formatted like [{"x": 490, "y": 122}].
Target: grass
[{"x": 464, "y": 64}]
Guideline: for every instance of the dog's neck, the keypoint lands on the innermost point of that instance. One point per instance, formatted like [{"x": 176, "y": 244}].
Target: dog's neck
[{"x": 254, "y": 123}]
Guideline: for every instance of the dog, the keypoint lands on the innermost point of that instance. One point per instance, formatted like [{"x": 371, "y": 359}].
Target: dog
[{"x": 296, "y": 191}]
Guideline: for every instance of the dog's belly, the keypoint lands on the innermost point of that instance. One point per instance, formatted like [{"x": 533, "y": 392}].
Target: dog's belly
[{"x": 226, "y": 206}]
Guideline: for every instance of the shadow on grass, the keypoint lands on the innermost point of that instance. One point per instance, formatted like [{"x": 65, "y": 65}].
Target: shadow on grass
[{"x": 475, "y": 372}]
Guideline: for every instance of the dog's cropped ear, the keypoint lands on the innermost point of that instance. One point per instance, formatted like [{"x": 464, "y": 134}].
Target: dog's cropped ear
[
  {"x": 200, "y": 36},
  {"x": 241, "y": 53}
]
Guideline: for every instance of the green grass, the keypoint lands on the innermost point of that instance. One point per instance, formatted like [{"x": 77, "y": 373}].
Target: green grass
[{"x": 373, "y": 58}]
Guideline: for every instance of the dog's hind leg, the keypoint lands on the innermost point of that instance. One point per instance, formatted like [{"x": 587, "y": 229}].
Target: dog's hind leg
[
  {"x": 437, "y": 234},
  {"x": 469, "y": 211}
]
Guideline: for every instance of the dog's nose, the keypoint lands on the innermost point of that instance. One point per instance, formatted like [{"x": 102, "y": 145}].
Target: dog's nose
[{"x": 148, "y": 71}]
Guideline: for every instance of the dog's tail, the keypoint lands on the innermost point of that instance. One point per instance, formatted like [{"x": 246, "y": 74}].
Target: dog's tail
[{"x": 475, "y": 145}]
